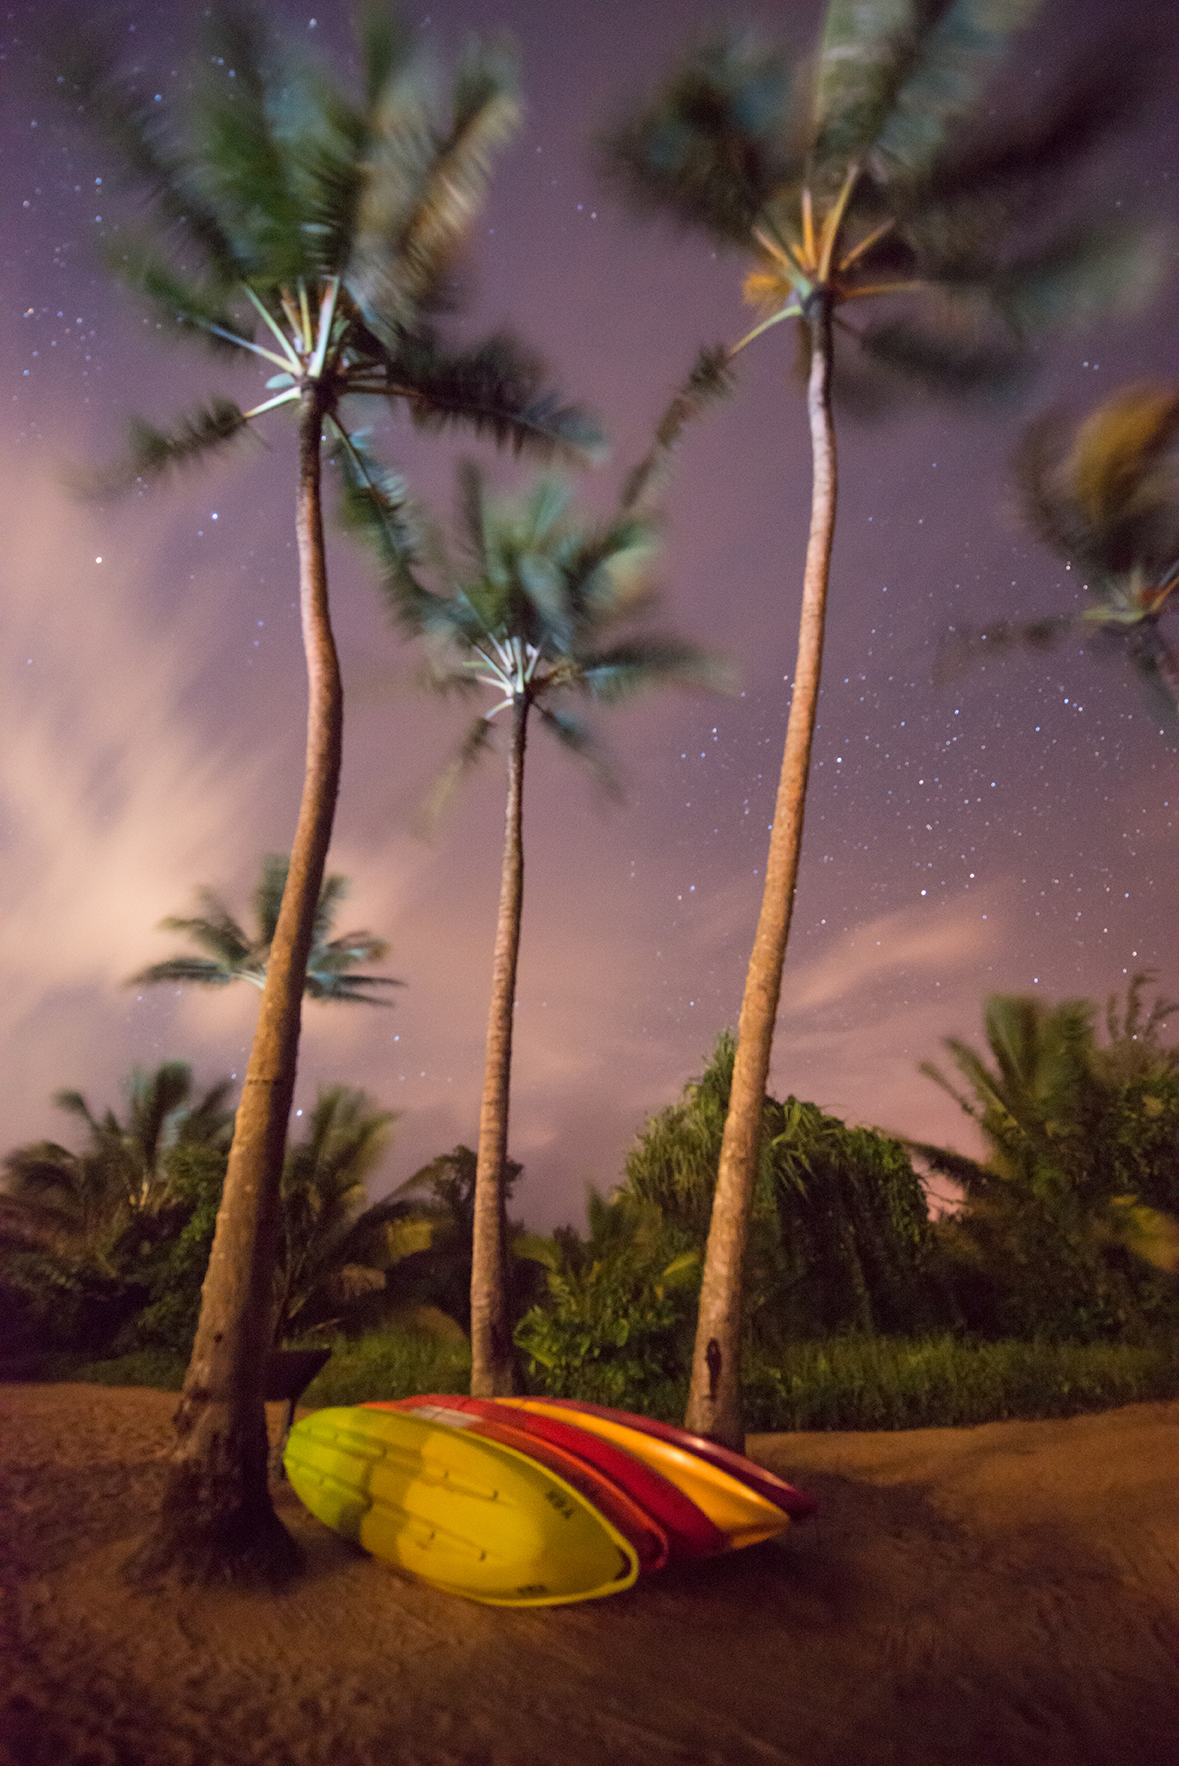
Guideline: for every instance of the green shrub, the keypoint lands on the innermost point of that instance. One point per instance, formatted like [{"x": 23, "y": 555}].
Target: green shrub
[
  {"x": 948, "y": 1382},
  {"x": 393, "y": 1362}
]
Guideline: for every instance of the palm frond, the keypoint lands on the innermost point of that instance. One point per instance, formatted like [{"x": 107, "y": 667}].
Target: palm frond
[
  {"x": 1103, "y": 87},
  {"x": 151, "y": 452},
  {"x": 640, "y": 662},
  {"x": 137, "y": 128},
  {"x": 1082, "y": 273},
  {"x": 715, "y": 143},
  {"x": 953, "y": 51},
  {"x": 710, "y": 380},
  {"x": 243, "y": 168},
  {"x": 485, "y": 113},
  {"x": 496, "y": 388},
  {"x": 961, "y": 362},
  {"x": 477, "y": 739},
  {"x": 183, "y": 303},
  {"x": 386, "y": 49},
  {"x": 200, "y": 970}
]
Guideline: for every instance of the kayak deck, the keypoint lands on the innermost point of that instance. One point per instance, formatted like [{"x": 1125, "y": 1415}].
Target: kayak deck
[{"x": 458, "y": 1509}]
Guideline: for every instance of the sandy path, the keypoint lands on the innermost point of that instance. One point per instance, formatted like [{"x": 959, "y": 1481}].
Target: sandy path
[{"x": 973, "y": 1597}]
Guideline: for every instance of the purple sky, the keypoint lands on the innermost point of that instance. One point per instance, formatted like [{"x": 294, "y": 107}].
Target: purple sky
[{"x": 1012, "y": 830}]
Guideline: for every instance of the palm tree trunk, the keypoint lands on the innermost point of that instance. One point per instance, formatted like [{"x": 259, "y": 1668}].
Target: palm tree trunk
[
  {"x": 714, "y": 1396},
  {"x": 493, "y": 1358},
  {"x": 217, "y": 1520}
]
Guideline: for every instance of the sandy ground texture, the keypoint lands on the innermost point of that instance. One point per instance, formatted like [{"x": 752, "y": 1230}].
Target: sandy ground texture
[{"x": 968, "y": 1597}]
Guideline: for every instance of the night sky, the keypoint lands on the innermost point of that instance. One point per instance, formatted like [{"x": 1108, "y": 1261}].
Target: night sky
[{"x": 1013, "y": 828}]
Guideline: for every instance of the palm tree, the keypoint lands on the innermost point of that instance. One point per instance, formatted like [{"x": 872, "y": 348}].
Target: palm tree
[
  {"x": 82, "y": 1202},
  {"x": 849, "y": 180},
  {"x": 1080, "y": 1154},
  {"x": 531, "y": 614},
  {"x": 331, "y": 1246},
  {"x": 1106, "y": 499},
  {"x": 333, "y": 224},
  {"x": 235, "y": 956}
]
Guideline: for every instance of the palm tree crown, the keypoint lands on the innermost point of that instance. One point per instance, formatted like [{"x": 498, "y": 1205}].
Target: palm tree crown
[
  {"x": 236, "y": 956},
  {"x": 858, "y": 183},
  {"x": 332, "y": 224}
]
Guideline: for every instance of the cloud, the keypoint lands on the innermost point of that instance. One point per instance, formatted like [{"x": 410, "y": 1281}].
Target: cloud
[{"x": 919, "y": 940}]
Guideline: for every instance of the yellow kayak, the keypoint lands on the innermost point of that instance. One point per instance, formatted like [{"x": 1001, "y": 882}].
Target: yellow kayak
[
  {"x": 744, "y": 1515},
  {"x": 423, "y": 1491}
]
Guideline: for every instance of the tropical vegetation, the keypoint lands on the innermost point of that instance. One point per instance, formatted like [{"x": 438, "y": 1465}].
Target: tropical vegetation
[
  {"x": 333, "y": 223},
  {"x": 860, "y": 176},
  {"x": 1069, "y": 1228}
]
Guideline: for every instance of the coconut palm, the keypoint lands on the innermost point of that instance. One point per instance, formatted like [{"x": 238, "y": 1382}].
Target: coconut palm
[
  {"x": 236, "y": 956},
  {"x": 852, "y": 179},
  {"x": 83, "y": 1201},
  {"x": 1081, "y": 1142},
  {"x": 315, "y": 235},
  {"x": 332, "y": 1248},
  {"x": 1105, "y": 497},
  {"x": 532, "y": 612}
]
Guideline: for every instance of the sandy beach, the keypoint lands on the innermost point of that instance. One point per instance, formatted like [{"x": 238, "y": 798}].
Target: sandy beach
[{"x": 968, "y": 1597}]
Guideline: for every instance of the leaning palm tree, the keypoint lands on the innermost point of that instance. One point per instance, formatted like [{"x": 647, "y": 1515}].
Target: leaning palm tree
[
  {"x": 852, "y": 179},
  {"x": 531, "y": 613},
  {"x": 315, "y": 235},
  {"x": 1105, "y": 497},
  {"x": 233, "y": 955}
]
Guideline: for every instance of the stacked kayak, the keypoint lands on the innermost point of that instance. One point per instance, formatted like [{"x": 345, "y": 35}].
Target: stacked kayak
[{"x": 529, "y": 1502}]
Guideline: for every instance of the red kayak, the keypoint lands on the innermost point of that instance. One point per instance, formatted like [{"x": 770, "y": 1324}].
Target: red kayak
[{"x": 786, "y": 1497}]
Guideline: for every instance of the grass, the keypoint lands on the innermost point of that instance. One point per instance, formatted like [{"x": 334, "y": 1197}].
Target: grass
[
  {"x": 840, "y": 1383},
  {"x": 948, "y": 1382}
]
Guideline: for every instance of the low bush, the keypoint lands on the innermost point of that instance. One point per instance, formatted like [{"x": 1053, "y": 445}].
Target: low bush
[
  {"x": 393, "y": 1362},
  {"x": 949, "y": 1382}
]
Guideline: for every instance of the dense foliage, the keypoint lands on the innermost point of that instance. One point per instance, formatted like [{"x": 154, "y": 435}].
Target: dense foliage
[
  {"x": 840, "y": 1235},
  {"x": 1068, "y": 1228}
]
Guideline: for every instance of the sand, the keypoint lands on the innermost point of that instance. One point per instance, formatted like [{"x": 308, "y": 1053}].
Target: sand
[{"x": 968, "y": 1597}]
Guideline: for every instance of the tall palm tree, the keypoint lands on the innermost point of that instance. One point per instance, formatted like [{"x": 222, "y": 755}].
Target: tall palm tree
[
  {"x": 333, "y": 225},
  {"x": 850, "y": 179},
  {"x": 1105, "y": 497},
  {"x": 531, "y": 613},
  {"x": 236, "y": 956}
]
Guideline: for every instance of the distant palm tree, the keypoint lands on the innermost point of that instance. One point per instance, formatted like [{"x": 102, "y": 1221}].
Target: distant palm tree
[
  {"x": 1105, "y": 497},
  {"x": 235, "y": 956},
  {"x": 851, "y": 179},
  {"x": 1080, "y": 1148},
  {"x": 533, "y": 613},
  {"x": 83, "y": 1201},
  {"x": 335, "y": 224},
  {"x": 332, "y": 1247}
]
